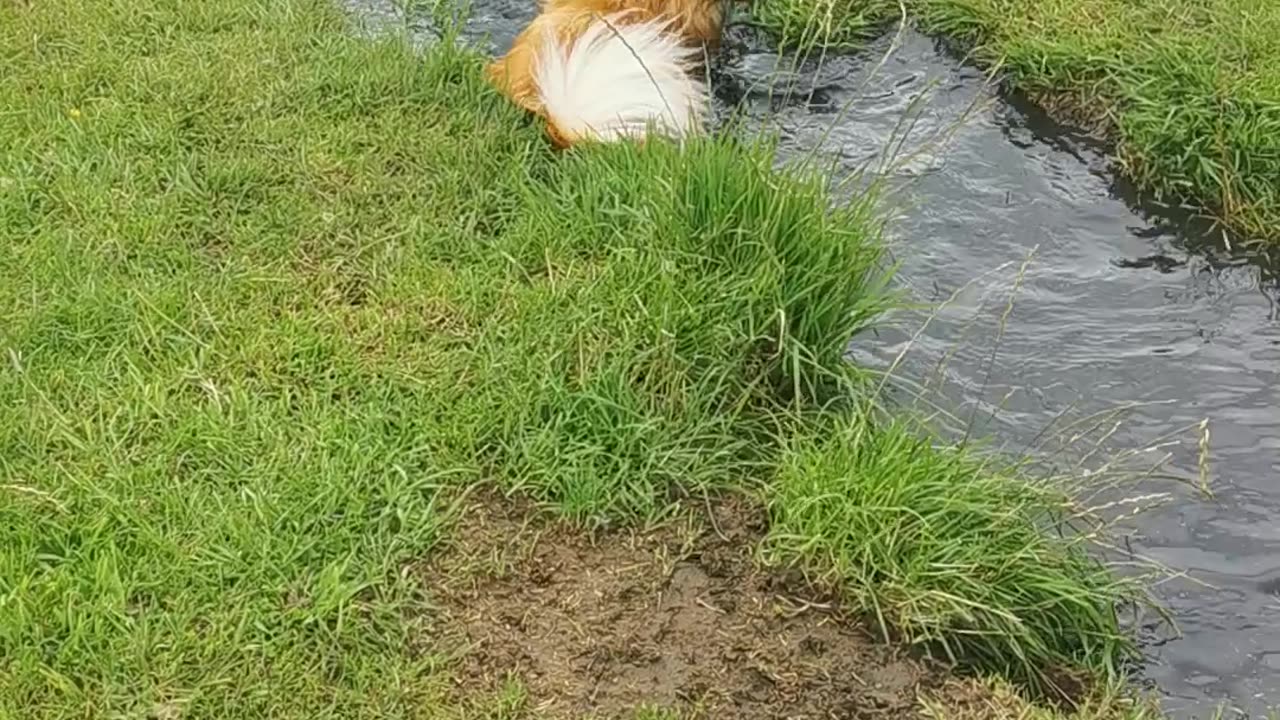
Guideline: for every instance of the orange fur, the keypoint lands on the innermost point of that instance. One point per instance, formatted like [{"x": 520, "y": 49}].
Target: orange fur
[{"x": 696, "y": 21}]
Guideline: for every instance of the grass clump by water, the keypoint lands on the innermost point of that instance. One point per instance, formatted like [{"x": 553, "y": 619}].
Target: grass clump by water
[
  {"x": 806, "y": 24},
  {"x": 273, "y": 294},
  {"x": 660, "y": 304},
  {"x": 1190, "y": 91},
  {"x": 941, "y": 549}
]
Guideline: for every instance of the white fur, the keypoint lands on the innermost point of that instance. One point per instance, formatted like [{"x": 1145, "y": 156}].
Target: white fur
[{"x": 620, "y": 80}]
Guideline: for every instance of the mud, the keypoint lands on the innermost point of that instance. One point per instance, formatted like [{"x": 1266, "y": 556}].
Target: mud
[{"x": 677, "y": 617}]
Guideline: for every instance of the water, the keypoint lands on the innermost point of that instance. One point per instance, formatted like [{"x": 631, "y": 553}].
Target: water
[{"x": 1120, "y": 304}]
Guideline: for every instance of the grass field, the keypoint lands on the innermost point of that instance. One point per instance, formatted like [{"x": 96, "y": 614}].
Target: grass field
[
  {"x": 1189, "y": 90},
  {"x": 272, "y": 297}
]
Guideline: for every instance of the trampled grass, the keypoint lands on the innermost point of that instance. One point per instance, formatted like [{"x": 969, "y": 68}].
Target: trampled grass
[
  {"x": 272, "y": 295},
  {"x": 1189, "y": 90}
]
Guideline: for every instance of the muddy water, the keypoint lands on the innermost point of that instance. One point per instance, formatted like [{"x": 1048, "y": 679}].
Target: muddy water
[{"x": 1118, "y": 305}]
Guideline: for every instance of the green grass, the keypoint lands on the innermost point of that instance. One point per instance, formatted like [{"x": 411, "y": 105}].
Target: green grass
[
  {"x": 940, "y": 549},
  {"x": 272, "y": 296},
  {"x": 1189, "y": 90}
]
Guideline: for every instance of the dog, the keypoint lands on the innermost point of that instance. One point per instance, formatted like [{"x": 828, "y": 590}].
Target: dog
[{"x": 609, "y": 70}]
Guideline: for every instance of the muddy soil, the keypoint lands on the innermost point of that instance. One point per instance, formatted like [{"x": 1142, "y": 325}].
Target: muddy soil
[{"x": 678, "y": 617}]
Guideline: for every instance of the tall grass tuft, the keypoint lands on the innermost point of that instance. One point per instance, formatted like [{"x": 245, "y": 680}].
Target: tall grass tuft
[
  {"x": 947, "y": 552},
  {"x": 835, "y": 24},
  {"x": 662, "y": 301}
]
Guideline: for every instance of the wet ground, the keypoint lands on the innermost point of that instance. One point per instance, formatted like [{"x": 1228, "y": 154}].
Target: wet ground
[{"x": 1123, "y": 304}]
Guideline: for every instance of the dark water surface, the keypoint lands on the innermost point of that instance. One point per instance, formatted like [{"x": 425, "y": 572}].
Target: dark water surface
[{"x": 1120, "y": 305}]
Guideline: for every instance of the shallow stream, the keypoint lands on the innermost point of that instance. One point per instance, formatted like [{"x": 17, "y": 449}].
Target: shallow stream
[{"x": 1117, "y": 304}]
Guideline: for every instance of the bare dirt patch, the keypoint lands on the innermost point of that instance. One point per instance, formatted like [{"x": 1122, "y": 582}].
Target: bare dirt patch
[{"x": 676, "y": 617}]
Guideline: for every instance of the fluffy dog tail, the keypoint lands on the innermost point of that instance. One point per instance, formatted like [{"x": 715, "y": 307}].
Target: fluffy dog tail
[{"x": 618, "y": 80}]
